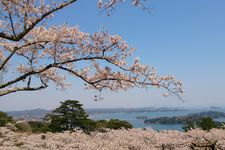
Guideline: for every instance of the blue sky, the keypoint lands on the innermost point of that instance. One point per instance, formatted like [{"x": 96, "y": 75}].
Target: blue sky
[{"x": 181, "y": 38}]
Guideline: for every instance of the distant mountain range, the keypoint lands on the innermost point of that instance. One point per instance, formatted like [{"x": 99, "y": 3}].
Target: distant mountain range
[
  {"x": 38, "y": 114},
  {"x": 129, "y": 110},
  {"x": 33, "y": 114}
]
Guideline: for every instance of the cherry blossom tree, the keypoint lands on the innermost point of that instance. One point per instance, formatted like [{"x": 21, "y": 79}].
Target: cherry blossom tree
[{"x": 34, "y": 54}]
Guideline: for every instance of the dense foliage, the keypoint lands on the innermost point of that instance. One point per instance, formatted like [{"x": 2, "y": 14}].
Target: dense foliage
[
  {"x": 118, "y": 124},
  {"x": 39, "y": 126},
  {"x": 205, "y": 123},
  {"x": 67, "y": 116},
  {"x": 23, "y": 127},
  {"x": 4, "y": 119}
]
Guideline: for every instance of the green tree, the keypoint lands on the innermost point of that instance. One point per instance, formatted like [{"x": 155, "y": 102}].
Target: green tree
[
  {"x": 67, "y": 116},
  {"x": 88, "y": 125},
  {"x": 4, "y": 119},
  {"x": 118, "y": 124},
  {"x": 207, "y": 123}
]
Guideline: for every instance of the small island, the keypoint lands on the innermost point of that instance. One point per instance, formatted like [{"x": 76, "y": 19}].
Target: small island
[
  {"x": 194, "y": 117},
  {"x": 141, "y": 117}
]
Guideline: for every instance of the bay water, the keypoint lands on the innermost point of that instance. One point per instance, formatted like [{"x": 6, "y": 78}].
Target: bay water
[{"x": 138, "y": 123}]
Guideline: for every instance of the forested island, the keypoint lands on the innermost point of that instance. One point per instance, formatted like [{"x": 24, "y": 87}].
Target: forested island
[
  {"x": 194, "y": 117},
  {"x": 133, "y": 110}
]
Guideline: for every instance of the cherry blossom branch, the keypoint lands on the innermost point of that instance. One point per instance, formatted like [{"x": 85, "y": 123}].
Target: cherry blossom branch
[
  {"x": 76, "y": 74},
  {"x": 138, "y": 84},
  {"x": 109, "y": 5},
  {"x": 24, "y": 76},
  {"x": 38, "y": 71},
  {"x": 101, "y": 60},
  {"x": 2, "y": 65},
  {"x": 97, "y": 84},
  {"x": 17, "y": 89},
  {"x": 33, "y": 24},
  {"x": 11, "y": 22}
]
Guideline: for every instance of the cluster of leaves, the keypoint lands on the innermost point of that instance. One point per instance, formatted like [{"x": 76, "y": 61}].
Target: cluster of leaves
[
  {"x": 4, "y": 119},
  {"x": 205, "y": 123}
]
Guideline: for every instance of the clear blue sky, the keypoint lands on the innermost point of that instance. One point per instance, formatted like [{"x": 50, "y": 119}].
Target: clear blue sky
[{"x": 181, "y": 38}]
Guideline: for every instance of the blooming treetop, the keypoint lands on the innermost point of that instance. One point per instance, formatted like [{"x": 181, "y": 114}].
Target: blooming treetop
[{"x": 33, "y": 54}]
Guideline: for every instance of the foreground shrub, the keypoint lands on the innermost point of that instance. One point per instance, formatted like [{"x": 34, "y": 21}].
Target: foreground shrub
[
  {"x": 88, "y": 125},
  {"x": 4, "y": 119},
  {"x": 39, "y": 127},
  {"x": 205, "y": 123},
  {"x": 115, "y": 124},
  {"x": 118, "y": 124},
  {"x": 23, "y": 127},
  {"x": 101, "y": 125}
]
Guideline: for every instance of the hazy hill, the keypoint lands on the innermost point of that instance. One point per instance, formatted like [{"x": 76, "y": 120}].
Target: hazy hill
[
  {"x": 36, "y": 114},
  {"x": 39, "y": 113}
]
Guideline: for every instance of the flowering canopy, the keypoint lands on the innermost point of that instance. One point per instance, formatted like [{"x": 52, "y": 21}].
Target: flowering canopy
[
  {"x": 123, "y": 139},
  {"x": 33, "y": 54}
]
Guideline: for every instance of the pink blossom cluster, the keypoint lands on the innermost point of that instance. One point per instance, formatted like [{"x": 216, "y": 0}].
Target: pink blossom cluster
[{"x": 137, "y": 139}]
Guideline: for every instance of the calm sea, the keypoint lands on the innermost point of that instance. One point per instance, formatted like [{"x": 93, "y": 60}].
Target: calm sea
[{"x": 131, "y": 117}]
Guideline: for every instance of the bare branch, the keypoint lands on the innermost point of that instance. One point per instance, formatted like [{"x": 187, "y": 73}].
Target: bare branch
[
  {"x": 17, "y": 89},
  {"x": 7, "y": 59},
  {"x": 24, "y": 76},
  {"x": 2, "y": 65}
]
